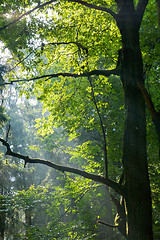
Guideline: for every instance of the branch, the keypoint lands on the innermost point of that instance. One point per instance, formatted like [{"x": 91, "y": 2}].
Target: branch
[
  {"x": 51, "y": 1},
  {"x": 140, "y": 8},
  {"x": 89, "y": 5},
  {"x": 106, "y": 73},
  {"x": 79, "y": 45},
  {"x": 148, "y": 100},
  {"x": 27, "y": 13},
  {"x": 154, "y": 114},
  {"x": 102, "y": 127},
  {"x": 93, "y": 177},
  {"x": 107, "y": 224},
  {"x": 22, "y": 60}
]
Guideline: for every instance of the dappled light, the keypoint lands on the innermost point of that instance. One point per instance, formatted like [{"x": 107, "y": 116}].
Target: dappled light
[{"x": 79, "y": 120}]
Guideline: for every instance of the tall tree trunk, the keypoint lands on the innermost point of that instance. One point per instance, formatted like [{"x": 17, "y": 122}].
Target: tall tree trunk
[{"x": 137, "y": 192}]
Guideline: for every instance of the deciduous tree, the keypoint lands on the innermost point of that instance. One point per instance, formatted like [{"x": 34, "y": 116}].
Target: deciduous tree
[{"x": 118, "y": 22}]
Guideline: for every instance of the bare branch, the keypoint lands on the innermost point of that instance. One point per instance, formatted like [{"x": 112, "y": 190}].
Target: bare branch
[
  {"x": 27, "y": 13},
  {"x": 106, "y": 73},
  {"x": 89, "y": 5},
  {"x": 93, "y": 177}
]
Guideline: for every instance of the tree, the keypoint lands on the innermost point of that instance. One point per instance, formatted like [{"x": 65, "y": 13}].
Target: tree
[
  {"x": 71, "y": 199},
  {"x": 135, "y": 185}
]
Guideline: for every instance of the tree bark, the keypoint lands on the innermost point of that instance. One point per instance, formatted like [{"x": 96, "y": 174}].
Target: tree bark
[{"x": 137, "y": 192}]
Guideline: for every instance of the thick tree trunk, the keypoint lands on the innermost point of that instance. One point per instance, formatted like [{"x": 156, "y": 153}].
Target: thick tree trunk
[{"x": 137, "y": 192}]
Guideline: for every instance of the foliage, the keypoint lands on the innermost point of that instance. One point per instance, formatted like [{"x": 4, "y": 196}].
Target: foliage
[{"x": 80, "y": 115}]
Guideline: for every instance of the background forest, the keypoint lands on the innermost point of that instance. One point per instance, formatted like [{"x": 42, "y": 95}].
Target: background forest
[{"x": 55, "y": 106}]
